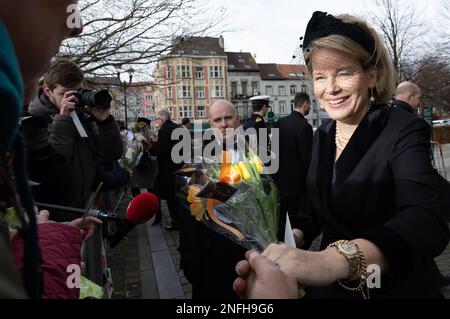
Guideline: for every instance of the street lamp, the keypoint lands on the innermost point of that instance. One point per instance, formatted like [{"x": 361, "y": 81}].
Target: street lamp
[{"x": 130, "y": 72}]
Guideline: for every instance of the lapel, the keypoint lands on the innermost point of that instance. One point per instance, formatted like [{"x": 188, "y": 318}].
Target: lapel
[
  {"x": 323, "y": 157},
  {"x": 360, "y": 142}
]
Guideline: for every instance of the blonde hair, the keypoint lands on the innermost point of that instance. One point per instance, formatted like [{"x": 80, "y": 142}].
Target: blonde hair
[{"x": 379, "y": 60}]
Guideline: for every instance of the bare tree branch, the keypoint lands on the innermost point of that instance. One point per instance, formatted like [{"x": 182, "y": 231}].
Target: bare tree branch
[
  {"x": 401, "y": 28},
  {"x": 135, "y": 33}
]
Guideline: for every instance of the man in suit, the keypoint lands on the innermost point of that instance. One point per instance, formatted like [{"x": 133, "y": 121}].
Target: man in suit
[
  {"x": 165, "y": 181},
  {"x": 295, "y": 154},
  {"x": 207, "y": 257},
  {"x": 407, "y": 97}
]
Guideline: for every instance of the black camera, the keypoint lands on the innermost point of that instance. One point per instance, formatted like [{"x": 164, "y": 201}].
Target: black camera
[{"x": 98, "y": 99}]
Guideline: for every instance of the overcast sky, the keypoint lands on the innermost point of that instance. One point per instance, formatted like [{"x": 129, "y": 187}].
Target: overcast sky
[{"x": 271, "y": 28}]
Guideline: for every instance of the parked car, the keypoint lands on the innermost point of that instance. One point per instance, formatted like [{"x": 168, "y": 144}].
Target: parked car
[{"x": 445, "y": 122}]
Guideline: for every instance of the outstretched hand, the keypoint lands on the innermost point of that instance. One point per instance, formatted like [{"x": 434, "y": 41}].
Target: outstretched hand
[
  {"x": 261, "y": 278},
  {"x": 87, "y": 227}
]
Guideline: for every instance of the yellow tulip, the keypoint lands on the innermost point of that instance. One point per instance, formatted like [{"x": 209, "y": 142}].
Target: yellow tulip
[{"x": 244, "y": 171}]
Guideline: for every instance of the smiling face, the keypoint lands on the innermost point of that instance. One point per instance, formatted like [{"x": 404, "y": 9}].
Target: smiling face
[{"x": 341, "y": 85}]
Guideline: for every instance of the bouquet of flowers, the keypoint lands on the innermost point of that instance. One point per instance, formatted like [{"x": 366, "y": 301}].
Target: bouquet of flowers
[
  {"x": 232, "y": 197},
  {"x": 132, "y": 151}
]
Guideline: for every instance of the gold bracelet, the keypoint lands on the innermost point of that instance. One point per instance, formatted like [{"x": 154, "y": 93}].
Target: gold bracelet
[{"x": 357, "y": 266}]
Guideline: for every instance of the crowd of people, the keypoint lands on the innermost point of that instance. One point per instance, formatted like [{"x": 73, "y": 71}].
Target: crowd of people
[{"x": 364, "y": 182}]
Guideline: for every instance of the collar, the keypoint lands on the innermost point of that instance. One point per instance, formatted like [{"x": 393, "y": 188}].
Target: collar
[
  {"x": 361, "y": 140},
  {"x": 404, "y": 106},
  {"x": 297, "y": 114},
  {"x": 323, "y": 155}
]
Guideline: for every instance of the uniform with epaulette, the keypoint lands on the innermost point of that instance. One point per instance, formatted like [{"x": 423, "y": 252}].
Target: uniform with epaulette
[{"x": 260, "y": 106}]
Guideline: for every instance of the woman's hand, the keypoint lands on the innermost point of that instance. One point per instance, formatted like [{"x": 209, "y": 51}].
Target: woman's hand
[
  {"x": 307, "y": 267},
  {"x": 261, "y": 278}
]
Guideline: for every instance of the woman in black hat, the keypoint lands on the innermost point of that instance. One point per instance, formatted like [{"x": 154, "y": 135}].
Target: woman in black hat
[{"x": 373, "y": 192}]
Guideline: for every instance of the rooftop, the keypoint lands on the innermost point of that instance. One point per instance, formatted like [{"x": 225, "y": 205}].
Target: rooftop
[
  {"x": 241, "y": 61},
  {"x": 198, "y": 46}
]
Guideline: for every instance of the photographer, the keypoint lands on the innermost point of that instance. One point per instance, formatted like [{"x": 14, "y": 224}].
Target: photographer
[{"x": 67, "y": 165}]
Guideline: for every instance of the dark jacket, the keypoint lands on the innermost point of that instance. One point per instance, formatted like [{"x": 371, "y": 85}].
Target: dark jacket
[
  {"x": 257, "y": 122},
  {"x": 208, "y": 259},
  {"x": 60, "y": 159},
  {"x": 295, "y": 145},
  {"x": 166, "y": 166},
  {"x": 384, "y": 189},
  {"x": 403, "y": 106}
]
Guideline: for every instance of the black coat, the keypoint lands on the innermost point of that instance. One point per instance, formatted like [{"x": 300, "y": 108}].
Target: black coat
[
  {"x": 295, "y": 144},
  {"x": 404, "y": 106},
  {"x": 166, "y": 166},
  {"x": 384, "y": 189},
  {"x": 208, "y": 259}
]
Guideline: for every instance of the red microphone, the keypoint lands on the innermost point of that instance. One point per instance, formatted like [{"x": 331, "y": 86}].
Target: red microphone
[{"x": 141, "y": 208}]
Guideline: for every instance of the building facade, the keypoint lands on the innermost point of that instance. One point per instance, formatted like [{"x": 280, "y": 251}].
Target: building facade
[
  {"x": 192, "y": 77},
  {"x": 244, "y": 80},
  {"x": 282, "y": 82}
]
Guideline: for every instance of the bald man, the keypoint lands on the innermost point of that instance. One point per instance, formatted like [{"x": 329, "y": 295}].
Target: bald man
[
  {"x": 223, "y": 116},
  {"x": 407, "y": 97}
]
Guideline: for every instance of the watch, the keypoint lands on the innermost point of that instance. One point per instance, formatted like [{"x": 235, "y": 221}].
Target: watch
[{"x": 354, "y": 256}]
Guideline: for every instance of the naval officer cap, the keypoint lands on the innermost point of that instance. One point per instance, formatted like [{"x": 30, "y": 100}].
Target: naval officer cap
[{"x": 260, "y": 98}]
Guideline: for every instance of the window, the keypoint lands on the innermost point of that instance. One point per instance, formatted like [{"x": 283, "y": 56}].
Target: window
[
  {"x": 185, "y": 111},
  {"x": 293, "y": 89},
  {"x": 244, "y": 88},
  {"x": 200, "y": 92},
  {"x": 304, "y": 88},
  {"x": 233, "y": 89},
  {"x": 184, "y": 92},
  {"x": 216, "y": 72},
  {"x": 201, "y": 111},
  {"x": 168, "y": 72},
  {"x": 255, "y": 88},
  {"x": 169, "y": 92},
  {"x": 292, "y": 105},
  {"x": 269, "y": 90},
  {"x": 195, "y": 52},
  {"x": 216, "y": 91},
  {"x": 283, "y": 107},
  {"x": 281, "y": 90},
  {"x": 183, "y": 71},
  {"x": 199, "y": 73}
]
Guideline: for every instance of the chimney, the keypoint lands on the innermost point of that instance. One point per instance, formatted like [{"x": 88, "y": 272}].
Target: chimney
[{"x": 221, "y": 42}]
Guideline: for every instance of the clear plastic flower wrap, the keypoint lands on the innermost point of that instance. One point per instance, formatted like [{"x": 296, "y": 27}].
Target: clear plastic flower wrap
[
  {"x": 132, "y": 152},
  {"x": 232, "y": 196}
]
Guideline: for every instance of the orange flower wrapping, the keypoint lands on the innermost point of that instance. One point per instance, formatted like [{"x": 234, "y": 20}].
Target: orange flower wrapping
[{"x": 197, "y": 205}]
